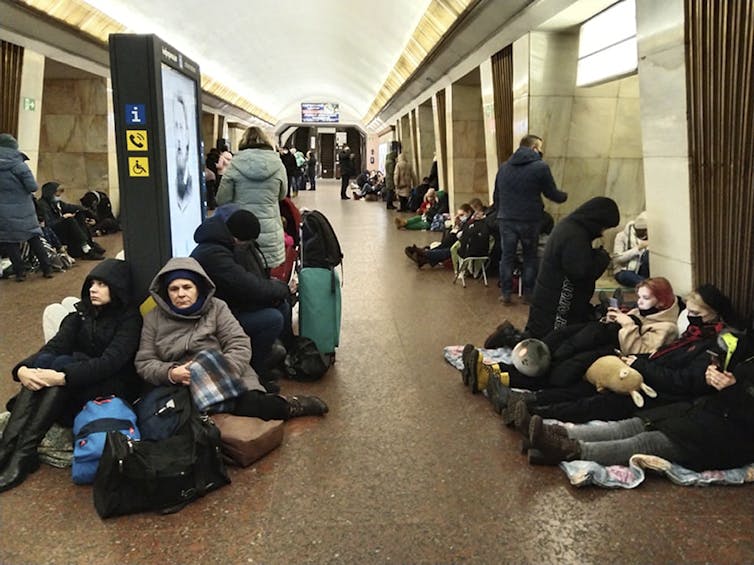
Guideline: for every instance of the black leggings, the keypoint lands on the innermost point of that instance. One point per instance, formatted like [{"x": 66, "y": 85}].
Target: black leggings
[
  {"x": 257, "y": 404},
  {"x": 13, "y": 251}
]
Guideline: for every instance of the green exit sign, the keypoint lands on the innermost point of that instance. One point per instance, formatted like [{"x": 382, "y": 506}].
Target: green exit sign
[{"x": 30, "y": 104}]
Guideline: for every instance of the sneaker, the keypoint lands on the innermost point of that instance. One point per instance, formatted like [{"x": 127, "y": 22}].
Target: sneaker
[
  {"x": 506, "y": 299},
  {"x": 92, "y": 255}
]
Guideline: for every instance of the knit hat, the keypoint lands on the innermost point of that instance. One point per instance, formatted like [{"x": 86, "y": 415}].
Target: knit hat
[
  {"x": 243, "y": 225},
  {"x": 640, "y": 223},
  {"x": 716, "y": 300},
  {"x": 193, "y": 276},
  {"x": 7, "y": 140}
]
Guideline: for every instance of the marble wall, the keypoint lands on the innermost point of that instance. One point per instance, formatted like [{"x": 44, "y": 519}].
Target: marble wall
[
  {"x": 662, "y": 87},
  {"x": 490, "y": 139},
  {"x": 592, "y": 136},
  {"x": 73, "y": 148},
  {"x": 404, "y": 126},
  {"x": 467, "y": 161},
  {"x": 425, "y": 131},
  {"x": 32, "y": 76}
]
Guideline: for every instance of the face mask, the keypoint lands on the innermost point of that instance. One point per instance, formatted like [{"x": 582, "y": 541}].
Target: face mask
[
  {"x": 56, "y": 198},
  {"x": 695, "y": 321}
]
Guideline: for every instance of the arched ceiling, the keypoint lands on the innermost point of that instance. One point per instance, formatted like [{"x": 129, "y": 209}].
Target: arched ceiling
[{"x": 279, "y": 54}]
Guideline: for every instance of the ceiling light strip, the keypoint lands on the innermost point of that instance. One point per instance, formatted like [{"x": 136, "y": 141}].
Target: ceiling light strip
[
  {"x": 438, "y": 18},
  {"x": 90, "y": 21}
]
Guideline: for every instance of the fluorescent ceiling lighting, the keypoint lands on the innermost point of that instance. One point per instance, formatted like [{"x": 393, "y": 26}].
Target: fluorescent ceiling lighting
[{"x": 607, "y": 45}]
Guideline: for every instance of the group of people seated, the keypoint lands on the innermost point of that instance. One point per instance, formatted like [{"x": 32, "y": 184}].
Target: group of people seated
[{"x": 689, "y": 352}]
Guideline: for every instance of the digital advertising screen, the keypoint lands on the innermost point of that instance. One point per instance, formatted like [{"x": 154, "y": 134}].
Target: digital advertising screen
[
  {"x": 320, "y": 112},
  {"x": 182, "y": 152}
]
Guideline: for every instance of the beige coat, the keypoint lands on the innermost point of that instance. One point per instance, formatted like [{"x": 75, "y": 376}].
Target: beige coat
[
  {"x": 169, "y": 339},
  {"x": 403, "y": 177},
  {"x": 655, "y": 331}
]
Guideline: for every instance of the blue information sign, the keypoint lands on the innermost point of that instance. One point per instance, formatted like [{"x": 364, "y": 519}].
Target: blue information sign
[{"x": 136, "y": 114}]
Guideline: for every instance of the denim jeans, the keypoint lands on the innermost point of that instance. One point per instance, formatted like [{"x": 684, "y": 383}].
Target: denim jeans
[
  {"x": 614, "y": 443},
  {"x": 631, "y": 278},
  {"x": 511, "y": 233}
]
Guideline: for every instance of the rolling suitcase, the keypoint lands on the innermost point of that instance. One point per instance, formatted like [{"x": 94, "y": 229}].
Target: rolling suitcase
[{"x": 319, "y": 307}]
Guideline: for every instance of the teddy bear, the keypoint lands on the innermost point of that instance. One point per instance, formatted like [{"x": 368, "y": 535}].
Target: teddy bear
[{"x": 611, "y": 373}]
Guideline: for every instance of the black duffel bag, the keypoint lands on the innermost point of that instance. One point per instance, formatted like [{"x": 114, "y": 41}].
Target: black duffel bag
[{"x": 161, "y": 476}]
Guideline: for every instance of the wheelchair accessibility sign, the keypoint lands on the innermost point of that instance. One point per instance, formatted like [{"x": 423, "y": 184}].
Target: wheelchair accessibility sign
[{"x": 138, "y": 167}]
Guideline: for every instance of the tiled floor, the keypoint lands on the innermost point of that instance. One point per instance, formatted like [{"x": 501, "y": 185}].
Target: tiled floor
[{"x": 408, "y": 466}]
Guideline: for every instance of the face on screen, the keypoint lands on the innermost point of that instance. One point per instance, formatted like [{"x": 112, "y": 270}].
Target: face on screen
[{"x": 181, "y": 132}]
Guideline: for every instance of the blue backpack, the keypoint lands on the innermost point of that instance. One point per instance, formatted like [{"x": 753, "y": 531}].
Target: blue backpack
[{"x": 90, "y": 428}]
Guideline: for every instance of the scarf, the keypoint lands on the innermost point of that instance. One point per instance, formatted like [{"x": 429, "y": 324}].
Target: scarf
[{"x": 692, "y": 334}]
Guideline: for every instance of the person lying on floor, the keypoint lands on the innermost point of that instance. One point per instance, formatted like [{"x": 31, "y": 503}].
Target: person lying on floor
[
  {"x": 714, "y": 433},
  {"x": 91, "y": 356},
  {"x": 423, "y": 219},
  {"x": 676, "y": 372},
  {"x": 643, "y": 330},
  {"x": 190, "y": 332},
  {"x": 228, "y": 253}
]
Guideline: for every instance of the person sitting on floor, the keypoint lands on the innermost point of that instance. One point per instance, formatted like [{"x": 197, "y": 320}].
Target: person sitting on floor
[
  {"x": 90, "y": 356},
  {"x": 631, "y": 252},
  {"x": 70, "y": 222},
  {"x": 227, "y": 251},
  {"x": 675, "y": 371},
  {"x": 714, "y": 433},
  {"x": 441, "y": 252},
  {"x": 435, "y": 202},
  {"x": 188, "y": 326},
  {"x": 645, "y": 329}
]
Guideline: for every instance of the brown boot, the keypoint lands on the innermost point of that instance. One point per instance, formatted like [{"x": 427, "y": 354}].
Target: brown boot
[{"x": 548, "y": 447}]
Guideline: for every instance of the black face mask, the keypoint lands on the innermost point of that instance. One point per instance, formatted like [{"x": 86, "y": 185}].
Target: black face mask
[
  {"x": 696, "y": 321},
  {"x": 648, "y": 311}
]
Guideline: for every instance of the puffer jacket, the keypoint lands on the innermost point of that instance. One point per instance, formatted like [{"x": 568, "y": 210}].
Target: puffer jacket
[
  {"x": 169, "y": 338},
  {"x": 570, "y": 268},
  {"x": 241, "y": 287},
  {"x": 256, "y": 180},
  {"x": 18, "y": 218},
  {"x": 102, "y": 339}
]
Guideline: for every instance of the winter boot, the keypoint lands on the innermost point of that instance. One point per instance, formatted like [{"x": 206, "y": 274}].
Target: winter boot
[
  {"x": 474, "y": 370},
  {"x": 495, "y": 339},
  {"x": 549, "y": 447},
  {"x": 514, "y": 397},
  {"x": 23, "y": 408},
  {"x": 497, "y": 390},
  {"x": 306, "y": 406},
  {"x": 521, "y": 418},
  {"x": 24, "y": 459}
]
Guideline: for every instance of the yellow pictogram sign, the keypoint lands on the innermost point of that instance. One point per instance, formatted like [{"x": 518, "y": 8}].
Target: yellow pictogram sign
[
  {"x": 138, "y": 167},
  {"x": 136, "y": 140}
]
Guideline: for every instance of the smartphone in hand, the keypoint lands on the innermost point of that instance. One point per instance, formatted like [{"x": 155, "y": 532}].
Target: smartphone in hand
[
  {"x": 613, "y": 302},
  {"x": 714, "y": 359}
]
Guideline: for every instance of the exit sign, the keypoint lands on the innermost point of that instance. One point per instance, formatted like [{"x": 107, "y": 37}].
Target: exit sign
[{"x": 30, "y": 104}]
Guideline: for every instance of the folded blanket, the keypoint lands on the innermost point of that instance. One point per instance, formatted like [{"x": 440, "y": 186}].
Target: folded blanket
[
  {"x": 453, "y": 355},
  {"x": 583, "y": 473}
]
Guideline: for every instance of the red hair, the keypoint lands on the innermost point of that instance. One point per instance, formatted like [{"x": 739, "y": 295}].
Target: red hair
[{"x": 661, "y": 290}]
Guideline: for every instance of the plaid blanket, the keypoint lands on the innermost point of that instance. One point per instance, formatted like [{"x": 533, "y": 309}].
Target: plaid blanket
[{"x": 213, "y": 382}]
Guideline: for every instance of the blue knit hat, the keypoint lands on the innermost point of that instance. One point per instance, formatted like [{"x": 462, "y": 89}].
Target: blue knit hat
[{"x": 193, "y": 276}]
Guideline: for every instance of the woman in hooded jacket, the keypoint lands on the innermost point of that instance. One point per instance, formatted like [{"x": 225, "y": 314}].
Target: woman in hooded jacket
[
  {"x": 570, "y": 268},
  {"x": 256, "y": 180},
  {"x": 18, "y": 218},
  {"x": 189, "y": 322},
  {"x": 91, "y": 356},
  {"x": 403, "y": 177}
]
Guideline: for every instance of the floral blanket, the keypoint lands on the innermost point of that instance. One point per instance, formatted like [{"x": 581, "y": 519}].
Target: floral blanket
[{"x": 584, "y": 473}]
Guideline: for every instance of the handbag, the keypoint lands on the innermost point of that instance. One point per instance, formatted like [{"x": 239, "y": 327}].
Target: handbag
[
  {"x": 304, "y": 362},
  {"x": 213, "y": 382},
  {"x": 162, "y": 476}
]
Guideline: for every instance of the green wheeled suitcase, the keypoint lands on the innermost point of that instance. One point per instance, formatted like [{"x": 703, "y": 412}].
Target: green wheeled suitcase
[{"x": 319, "y": 307}]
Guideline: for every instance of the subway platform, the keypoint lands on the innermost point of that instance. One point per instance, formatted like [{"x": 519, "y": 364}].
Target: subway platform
[{"x": 407, "y": 467}]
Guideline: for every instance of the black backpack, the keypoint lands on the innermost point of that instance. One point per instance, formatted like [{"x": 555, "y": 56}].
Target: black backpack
[
  {"x": 162, "y": 476},
  {"x": 320, "y": 244},
  {"x": 475, "y": 240},
  {"x": 304, "y": 362}
]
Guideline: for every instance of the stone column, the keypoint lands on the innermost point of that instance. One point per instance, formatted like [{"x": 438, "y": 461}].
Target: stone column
[
  {"x": 490, "y": 139},
  {"x": 467, "y": 164},
  {"x": 662, "y": 89},
  {"x": 426, "y": 138},
  {"x": 30, "y": 110}
]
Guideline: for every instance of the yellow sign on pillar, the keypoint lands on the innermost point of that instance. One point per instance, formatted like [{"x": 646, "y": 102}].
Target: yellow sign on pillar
[
  {"x": 138, "y": 166},
  {"x": 136, "y": 140}
]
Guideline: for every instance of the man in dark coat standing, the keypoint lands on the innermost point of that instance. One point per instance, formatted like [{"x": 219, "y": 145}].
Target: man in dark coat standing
[
  {"x": 519, "y": 186},
  {"x": 570, "y": 267},
  {"x": 347, "y": 170}
]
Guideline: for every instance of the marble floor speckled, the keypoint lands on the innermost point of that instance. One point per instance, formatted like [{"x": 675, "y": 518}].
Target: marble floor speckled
[{"x": 408, "y": 466}]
